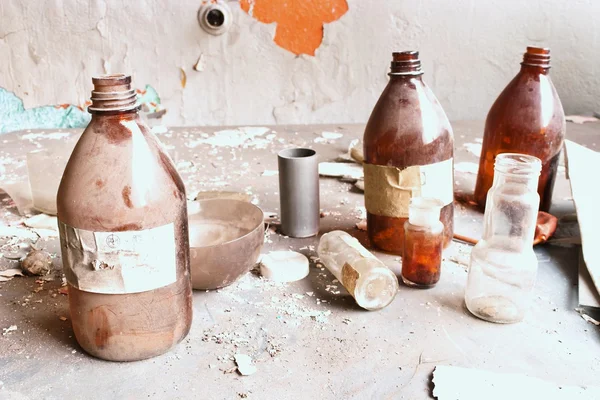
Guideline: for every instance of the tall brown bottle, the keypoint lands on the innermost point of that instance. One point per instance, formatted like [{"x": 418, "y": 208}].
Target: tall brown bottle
[
  {"x": 526, "y": 118},
  {"x": 408, "y": 149},
  {"x": 124, "y": 233}
]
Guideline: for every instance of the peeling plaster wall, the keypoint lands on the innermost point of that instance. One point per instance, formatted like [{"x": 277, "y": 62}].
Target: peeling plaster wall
[{"x": 470, "y": 50}]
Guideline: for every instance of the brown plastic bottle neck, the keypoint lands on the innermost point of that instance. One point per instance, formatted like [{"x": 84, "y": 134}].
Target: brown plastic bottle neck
[
  {"x": 406, "y": 63},
  {"x": 538, "y": 58},
  {"x": 113, "y": 94}
]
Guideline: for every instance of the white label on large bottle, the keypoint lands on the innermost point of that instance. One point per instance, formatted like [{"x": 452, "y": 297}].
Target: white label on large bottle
[
  {"x": 388, "y": 190},
  {"x": 119, "y": 262}
]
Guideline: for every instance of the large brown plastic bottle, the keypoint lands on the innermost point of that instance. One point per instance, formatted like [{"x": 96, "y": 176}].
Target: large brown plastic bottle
[
  {"x": 526, "y": 118},
  {"x": 408, "y": 149},
  {"x": 124, "y": 233}
]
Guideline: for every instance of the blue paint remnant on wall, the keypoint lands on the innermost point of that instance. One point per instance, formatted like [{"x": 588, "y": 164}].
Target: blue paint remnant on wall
[
  {"x": 14, "y": 116},
  {"x": 149, "y": 99}
]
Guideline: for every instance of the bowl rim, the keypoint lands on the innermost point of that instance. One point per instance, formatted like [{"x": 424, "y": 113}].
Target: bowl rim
[{"x": 251, "y": 231}]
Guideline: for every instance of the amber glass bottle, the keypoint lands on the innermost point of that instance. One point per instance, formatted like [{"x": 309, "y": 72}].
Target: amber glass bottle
[
  {"x": 408, "y": 149},
  {"x": 526, "y": 118},
  {"x": 124, "y": 233}
]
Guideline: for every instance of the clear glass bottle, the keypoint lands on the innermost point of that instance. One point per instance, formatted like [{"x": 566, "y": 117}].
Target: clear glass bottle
[
  {"x": 367, "y": 279},
  {"x": 408, "y": 151},
  {"x": 503, "y": 264},
  {"x": 423, "y": 243},
  {"x": 124, "y": 233},
  {"x": 527, "y": 117}
]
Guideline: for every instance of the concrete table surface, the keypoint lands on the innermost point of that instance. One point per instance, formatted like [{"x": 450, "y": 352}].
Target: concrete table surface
[{"x": 308, "y": 339}]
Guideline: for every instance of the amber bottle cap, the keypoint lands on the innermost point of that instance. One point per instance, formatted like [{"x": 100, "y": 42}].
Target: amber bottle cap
[
  {"x": 113, "y": 93},
  {"x": 537, "y": 57},
  {"x": 406, "y": 63}
]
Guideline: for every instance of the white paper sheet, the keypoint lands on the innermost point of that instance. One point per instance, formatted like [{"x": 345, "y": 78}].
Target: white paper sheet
[
  {"x": 455, "y": 383},
  {"x": 583, "y": 166}
]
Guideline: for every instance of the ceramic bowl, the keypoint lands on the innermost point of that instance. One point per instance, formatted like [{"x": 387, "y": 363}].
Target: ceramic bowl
[{"x": 226, "y": 237}]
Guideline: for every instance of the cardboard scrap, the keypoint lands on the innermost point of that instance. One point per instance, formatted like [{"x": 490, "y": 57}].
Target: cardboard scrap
[
  {"x": 455, "y": 383},
  {"x": 580, "y": 161},
  {"x": 8, "y": 274}
]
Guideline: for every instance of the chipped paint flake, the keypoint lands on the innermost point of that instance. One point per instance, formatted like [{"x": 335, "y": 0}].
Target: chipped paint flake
[{"x": 299, "y": 23}]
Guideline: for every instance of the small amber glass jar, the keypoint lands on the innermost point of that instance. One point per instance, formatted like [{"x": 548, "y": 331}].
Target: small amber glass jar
[{"x": 423, "y": 243}]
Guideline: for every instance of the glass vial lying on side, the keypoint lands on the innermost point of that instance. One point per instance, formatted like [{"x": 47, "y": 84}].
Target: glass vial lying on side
[
  {"x": 503, "y": 265},
  {"x": 367, "y": 279},
  {"x": 423, "y": 243}
]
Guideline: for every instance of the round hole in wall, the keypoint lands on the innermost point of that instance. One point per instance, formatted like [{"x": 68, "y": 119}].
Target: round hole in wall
[{"x": 215, "y": 17}]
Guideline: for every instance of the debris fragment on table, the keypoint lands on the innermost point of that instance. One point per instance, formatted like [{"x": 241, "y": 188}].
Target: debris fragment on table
[
  {"x": 244, "y": 363},
  {"x": 6, "y": 331},
  {"x": 8, "y": 274},
  {"x": 586, "y": 317},
  {"x": 284, "y": 266},
  {"x": 580, "y": 119},
  {"x": 331, "y": 135},
  {"x": 341, "y": 170},
  {"x": 37, "y": 262},
  {"x": 362, "y": 225},
  {"x": 354, "y": 153},
  {"x": 42, "y": 221}
]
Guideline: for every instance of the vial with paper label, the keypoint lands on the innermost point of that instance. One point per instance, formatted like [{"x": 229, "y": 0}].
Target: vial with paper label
[
  {"x": 367, "y": 279},
  {"x": 408, "y": 151},
  {"x": 503, "y": 265},
  {"x": 124, "y": 233}
]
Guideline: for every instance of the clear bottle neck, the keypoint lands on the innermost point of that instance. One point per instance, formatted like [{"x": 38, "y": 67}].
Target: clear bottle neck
[
  {"x": 513, "y": 202},
  {"x": 528, "y": 182}
]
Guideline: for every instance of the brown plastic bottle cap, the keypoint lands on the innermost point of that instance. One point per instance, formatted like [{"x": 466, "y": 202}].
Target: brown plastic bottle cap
[
  {"x": 113, "y": 93},
  {"x": 406, "y": 63},
  {"x": 538, "y": 50},
  {"x": 537, "y": 57}
]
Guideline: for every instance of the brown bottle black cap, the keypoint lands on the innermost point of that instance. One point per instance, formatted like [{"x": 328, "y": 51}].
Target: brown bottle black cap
[{"x": 406, "y": 63}]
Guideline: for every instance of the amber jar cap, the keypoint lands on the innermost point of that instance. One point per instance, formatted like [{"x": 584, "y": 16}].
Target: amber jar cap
[
  {"x": 113, "y": 93},
  {"x": 537, "y": 57},
  {"x": 406, "y": 63}
]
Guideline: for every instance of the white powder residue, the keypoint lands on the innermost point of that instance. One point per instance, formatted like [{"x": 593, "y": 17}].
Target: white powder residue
[
  {"x": 248, "y": 136},
  {"x": 43, "y": 135}
]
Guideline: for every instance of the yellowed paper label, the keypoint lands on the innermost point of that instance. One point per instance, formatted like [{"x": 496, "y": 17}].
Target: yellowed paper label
[
  {"x": 119, "y": 262},
  {"x": 349, "y": 278},
  {"x": 388, "y": 190}
]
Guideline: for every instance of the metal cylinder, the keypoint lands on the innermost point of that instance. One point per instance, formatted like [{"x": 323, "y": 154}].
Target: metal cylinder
[{"x": 299, "y": 192}]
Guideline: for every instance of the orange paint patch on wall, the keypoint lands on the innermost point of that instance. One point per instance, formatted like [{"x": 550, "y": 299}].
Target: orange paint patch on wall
[{"x": 299, "y": 22}]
